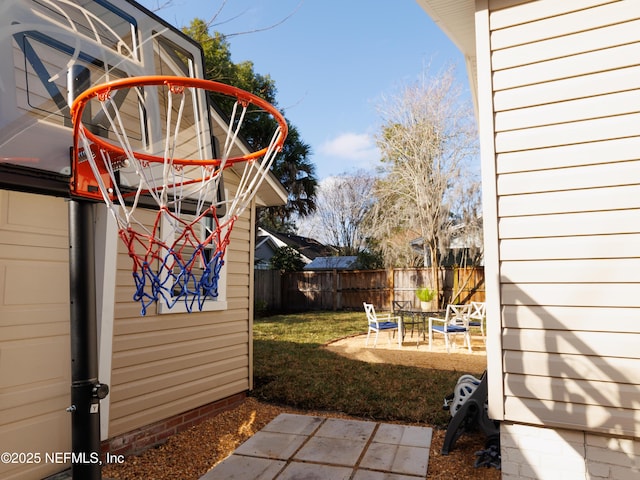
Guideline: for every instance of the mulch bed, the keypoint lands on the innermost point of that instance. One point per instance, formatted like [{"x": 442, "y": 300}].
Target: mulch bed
[{"x": 190, "y": 454}]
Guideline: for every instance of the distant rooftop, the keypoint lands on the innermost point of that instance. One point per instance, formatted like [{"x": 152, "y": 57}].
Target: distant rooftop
[
  {"x": 308, "y": 247},
  {"x": 332, "y": 263}
]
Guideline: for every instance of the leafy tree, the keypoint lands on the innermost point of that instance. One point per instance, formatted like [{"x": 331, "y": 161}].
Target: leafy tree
[
  {"x": 258, "y": 128},
  {"x": 427, "y": 139},
  {"x": 292, "y": 166},
  {"x": 296, "y": 172},
  {"x": 370, "y": 260},
  {"x": 287, "y": 259}
]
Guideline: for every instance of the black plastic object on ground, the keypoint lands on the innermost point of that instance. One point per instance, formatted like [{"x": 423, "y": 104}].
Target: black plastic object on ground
[{"x": 470, "y": 414}]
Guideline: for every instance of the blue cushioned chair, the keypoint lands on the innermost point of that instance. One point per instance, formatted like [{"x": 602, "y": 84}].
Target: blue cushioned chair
[
  {"x": 456, "y": 322},
  {"x": 381, "y": 322},
  {"x": 477, "y": 316}
]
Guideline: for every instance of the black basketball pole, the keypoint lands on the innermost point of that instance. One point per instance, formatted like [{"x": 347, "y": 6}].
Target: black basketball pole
[
  {"x": 86, "y": 391},
  {"x": 85, "y": 404}
]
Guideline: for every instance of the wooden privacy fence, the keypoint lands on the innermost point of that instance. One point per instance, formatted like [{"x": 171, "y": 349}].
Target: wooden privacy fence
[
  {"x": 267, "y": 292},
  {"x": 346, "y": 289}
]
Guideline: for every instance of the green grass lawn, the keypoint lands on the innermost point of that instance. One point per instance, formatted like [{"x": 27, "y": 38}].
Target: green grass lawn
[{"x": 291, "y": 368}]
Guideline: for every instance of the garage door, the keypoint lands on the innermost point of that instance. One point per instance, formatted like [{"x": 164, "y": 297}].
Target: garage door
[{"x": 34, "y": 331}]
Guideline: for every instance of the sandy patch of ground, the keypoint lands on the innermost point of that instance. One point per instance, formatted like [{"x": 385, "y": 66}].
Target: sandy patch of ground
[{"x": 414, "y": 352}]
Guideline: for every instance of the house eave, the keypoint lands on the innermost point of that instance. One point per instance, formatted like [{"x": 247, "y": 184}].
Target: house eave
[
  {"x": 270, "y": 193},
  {"x": 456, "y": 18}
]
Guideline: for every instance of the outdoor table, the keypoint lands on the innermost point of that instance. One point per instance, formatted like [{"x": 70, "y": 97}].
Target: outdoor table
[{"x": 419, "y": 318}]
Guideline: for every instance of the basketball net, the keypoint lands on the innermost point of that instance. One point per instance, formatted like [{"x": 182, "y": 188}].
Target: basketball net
[{"x": 178, "y": 251}]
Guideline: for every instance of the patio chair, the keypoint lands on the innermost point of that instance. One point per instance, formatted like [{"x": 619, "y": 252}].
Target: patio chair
[
  {"x": 456, "y": 322},
  {"x": 400, "y": 305},
  {"x": 381, "y": 322},
  {"x": 404, "y": 309},
  {"x": 477, "y": 316}
]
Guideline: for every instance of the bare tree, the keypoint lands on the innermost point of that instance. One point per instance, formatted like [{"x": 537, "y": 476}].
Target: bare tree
[
  {"x": 342, "y": 203},
  {"x": 427, "y": 139}
]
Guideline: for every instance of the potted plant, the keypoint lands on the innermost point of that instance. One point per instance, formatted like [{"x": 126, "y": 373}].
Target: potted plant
[{"x": 425, "y": 295}]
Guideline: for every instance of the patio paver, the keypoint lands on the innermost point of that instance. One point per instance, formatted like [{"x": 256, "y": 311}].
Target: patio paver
[
  {"x": 272, "y": 445},
  {"x": 300, "y": 446},
  {"x": 334, "y": 451}
]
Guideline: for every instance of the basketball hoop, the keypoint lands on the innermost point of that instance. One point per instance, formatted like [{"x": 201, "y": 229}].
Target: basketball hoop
[{"x": 129, "y": 162}]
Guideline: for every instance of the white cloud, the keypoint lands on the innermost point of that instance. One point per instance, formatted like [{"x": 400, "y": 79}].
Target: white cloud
[
  {"x": 351, "y": 146},
  {"x": 346, "y": 153}
]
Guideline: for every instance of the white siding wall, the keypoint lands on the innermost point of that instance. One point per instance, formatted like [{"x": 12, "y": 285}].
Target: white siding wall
[{"x": 566, "y": 111}]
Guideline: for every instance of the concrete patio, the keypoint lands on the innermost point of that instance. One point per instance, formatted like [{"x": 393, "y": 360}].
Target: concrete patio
[{"x": 301, "y": 446}]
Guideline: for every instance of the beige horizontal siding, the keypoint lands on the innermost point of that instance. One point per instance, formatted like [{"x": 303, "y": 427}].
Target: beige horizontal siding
[
  {"x": 180, "y": 333},
  {"x": 141, "y": 358},
  {"x": 168, "y": 404},
  {"x": 165, "y": 324},
  {"x": 166, "y": 364},
  {"x": 566, "y": 85},
  {"x": 190, "y": 357},
  {"x": 174, "y": 379}
]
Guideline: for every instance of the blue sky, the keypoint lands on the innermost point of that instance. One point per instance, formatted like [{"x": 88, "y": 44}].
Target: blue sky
[{"x": 331, "y": 62}]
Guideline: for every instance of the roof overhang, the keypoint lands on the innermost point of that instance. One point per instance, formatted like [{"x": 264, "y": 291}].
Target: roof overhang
[
  {"x": 456, "y": 18},
  {"x": 271, "y": 192}
]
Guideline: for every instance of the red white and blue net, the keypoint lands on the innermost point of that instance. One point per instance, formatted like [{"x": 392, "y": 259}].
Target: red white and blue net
[{"x": 170, "y": 206}]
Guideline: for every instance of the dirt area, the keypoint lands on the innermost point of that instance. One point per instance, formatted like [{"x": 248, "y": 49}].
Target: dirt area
[
  {"x": 414, "y": 353},
  {"x": 190, "y": 454}
]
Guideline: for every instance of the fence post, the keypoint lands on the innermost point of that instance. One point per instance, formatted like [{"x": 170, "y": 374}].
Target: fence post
[
  {"x": 336, "y": 301},
  {"x": 391, "y": 288}
]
